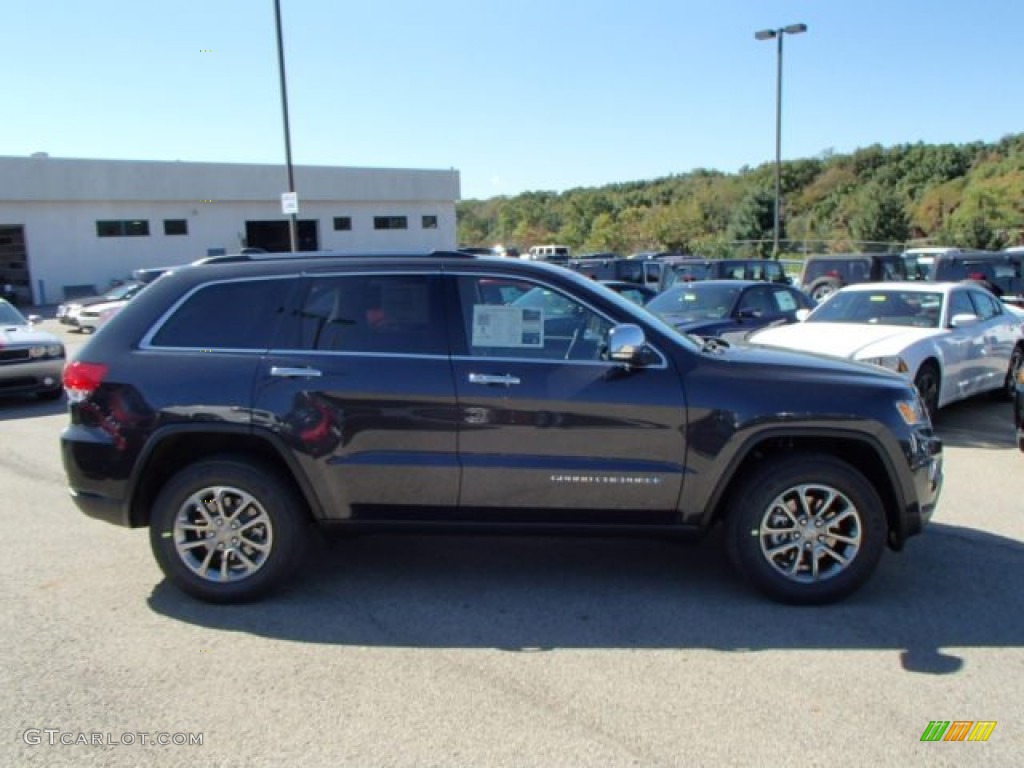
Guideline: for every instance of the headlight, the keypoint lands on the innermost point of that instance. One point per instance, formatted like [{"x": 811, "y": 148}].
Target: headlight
[
  {"x": 892, "y": 362},
  {"x": 912, "y": 411},
  {"x": 49, "y": 350}
]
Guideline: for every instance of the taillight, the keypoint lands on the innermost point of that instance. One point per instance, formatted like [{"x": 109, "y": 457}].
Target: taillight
[{"x": 81, "y": 379}]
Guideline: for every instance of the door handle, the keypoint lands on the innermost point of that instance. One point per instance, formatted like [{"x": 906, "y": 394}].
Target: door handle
[
  {"x": 486, "y": 378},
  {"x": 294, "y": 373}
]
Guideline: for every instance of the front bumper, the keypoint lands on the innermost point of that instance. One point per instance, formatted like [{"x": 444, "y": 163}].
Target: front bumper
[
  {"x": 925, "y": 461},
  {"x": 1018, "y": 413},
  {"x": 31, "y": 376}
]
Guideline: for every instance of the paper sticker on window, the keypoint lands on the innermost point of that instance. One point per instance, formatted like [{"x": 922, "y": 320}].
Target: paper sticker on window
[
  {"x": 507, "y": 326},
  {"x": 785, "y": 301}
]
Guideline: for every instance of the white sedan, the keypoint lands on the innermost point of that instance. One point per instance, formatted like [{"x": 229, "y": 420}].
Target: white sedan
[
  {"x": 953, "y": 340},
  {"x": 92, "y": 317}
]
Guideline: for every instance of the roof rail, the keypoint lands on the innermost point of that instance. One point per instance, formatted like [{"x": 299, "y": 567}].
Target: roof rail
[{"x": 228, "y": 258}]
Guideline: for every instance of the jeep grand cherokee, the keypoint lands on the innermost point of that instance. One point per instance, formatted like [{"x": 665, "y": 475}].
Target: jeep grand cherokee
[{"x": 231, "y": 406}]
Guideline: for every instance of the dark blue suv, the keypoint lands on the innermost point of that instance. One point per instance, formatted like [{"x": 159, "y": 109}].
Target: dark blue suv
[{"x": 232, "y": 406}]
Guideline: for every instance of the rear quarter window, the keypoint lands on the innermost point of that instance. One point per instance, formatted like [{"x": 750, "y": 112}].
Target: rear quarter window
[{"x": 234, "y": 315}]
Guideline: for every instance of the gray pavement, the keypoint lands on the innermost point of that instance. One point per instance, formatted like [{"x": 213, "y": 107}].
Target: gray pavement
[{"x": 449, "y": 651}]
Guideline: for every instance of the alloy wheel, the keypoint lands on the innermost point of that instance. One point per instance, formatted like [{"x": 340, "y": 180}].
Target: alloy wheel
[
  {"x": 223, "y": 534},
  {"x": 810, "y": 533}
]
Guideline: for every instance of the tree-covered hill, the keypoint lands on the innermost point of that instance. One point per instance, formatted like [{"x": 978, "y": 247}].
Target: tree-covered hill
[{"x": 970, "y": 195}]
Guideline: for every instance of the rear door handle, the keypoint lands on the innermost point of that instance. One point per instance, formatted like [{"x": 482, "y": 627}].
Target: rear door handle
[
  {"x": 294, "y": 373},
  {"x": 486, "y": 378}
]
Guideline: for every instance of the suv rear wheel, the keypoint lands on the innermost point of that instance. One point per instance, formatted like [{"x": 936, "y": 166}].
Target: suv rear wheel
[
  {"x": 806, "y": 529},
  {"x": 226, "y": 531},
  {"x": 823, "y": 287}
]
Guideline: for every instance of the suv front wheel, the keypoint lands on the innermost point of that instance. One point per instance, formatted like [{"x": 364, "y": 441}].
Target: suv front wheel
[
  {"x": 806, "y": 529},
  {"x": 226, "y": 531}
]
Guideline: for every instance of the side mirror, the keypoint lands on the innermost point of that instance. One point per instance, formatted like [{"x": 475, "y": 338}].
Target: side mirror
[
  {"x": 626, "y": 343},
  {"x": 35, "y": 319},
  {"x": 801, "y": 315},
  {"x": 966, "y": 320}
]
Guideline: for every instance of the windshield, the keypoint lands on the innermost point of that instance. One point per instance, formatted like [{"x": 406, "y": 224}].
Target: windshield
[
  {"x": 125, "y": 291},
  {"x": 696, "y": 300},
  {"x": 883, "y": 307},
  {"x": 10, "y": 316},
  {"x": 638, "y": 314},
  {"x": 554, "y": 304},
  {"x": 696, "y": 271}
]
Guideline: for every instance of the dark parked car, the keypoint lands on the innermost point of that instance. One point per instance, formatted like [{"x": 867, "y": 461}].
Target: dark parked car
[
  {"x": 650, "y": 272},
  {"x": 690, "y": 269},
  {"x": 824, "y": 275},
  {"x": 231, "y": 405},
  {"x": 998, "y": 271},
  {"x": 638, "y": 294},
  {"x": 728, "y": 308}
]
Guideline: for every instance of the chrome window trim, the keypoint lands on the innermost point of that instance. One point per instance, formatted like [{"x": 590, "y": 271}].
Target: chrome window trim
[
  {"x": 146, "y": 344},
  {"x": 336, "y": 353}
]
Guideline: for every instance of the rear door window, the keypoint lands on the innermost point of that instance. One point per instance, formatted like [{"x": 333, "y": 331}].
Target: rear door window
[
  {"x": 240, "y": 314},
  {"x": 390, "y": 314}
]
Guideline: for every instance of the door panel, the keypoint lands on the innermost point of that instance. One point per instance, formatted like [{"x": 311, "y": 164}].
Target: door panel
[
  {"x": 545, "y": 422},
  {"x": 360, "y": 388}
]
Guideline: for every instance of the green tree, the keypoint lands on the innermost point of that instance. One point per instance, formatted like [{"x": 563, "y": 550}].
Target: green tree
[
  {"x": 606, "y": 236},
  {"x": 880, "y": 216},
  {"x": 754, "y": 220}
]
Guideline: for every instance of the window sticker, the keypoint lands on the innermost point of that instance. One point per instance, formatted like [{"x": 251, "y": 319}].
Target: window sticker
[
  {"x": 785, "y": 301},
  {"x": 495, "y": 326}
]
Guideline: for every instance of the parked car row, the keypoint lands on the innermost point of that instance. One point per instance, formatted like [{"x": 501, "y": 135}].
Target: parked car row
[
  {"x": 1001, "y": 272},
  {"x": 90, "y": 312}
]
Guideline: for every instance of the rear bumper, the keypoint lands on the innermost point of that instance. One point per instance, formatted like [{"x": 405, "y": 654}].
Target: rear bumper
[
  {"x": 95, "y": 482},
  {"x": 102, "y": 508}
]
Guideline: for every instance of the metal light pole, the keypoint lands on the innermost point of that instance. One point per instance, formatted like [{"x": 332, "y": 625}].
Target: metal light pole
[
  {"x": 292, "y": 219},
  {"x": 778, "y": 34}
]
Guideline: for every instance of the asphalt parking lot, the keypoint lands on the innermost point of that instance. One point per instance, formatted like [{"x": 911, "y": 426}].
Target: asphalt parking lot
[{"x": 442, "y": 651}]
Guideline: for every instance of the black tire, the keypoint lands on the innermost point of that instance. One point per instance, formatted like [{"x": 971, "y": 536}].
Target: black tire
[
  {"x": 247, "y": 557},
  {"x": 823, "y": 287},
  {"x": 769, "y": 545},
  {"x": 1009, "y": 389},
  {"x": 928, "y": 381}
]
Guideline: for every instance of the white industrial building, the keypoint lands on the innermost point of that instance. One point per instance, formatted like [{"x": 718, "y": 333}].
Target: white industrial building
[{"x": 72, "y": 226}]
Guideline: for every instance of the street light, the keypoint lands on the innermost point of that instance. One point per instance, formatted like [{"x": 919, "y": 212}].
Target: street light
[
  {"x": 778, "y": 34},
  {"x": 292, "y": 221}
]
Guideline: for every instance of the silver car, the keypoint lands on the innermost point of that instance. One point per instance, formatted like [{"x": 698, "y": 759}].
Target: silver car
[{"x": 31, "y": 360}]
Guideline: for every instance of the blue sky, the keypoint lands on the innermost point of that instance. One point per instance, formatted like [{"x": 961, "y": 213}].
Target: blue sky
[{"x": 515, "y": 94}]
